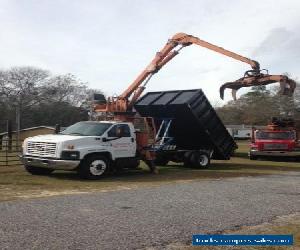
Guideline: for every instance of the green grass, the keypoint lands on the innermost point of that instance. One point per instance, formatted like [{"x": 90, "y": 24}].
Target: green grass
[{"x": 16, "y": 183}]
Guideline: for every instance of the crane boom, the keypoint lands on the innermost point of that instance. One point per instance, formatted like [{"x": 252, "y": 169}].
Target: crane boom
[
  {"x": 167, "y": 53},
  {"x": 124, "y": 103}
]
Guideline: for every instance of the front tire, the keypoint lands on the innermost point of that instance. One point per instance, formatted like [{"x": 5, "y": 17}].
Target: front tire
[
  {"x": 93, "y": 167},
  {"x": 38, "y": 171}
]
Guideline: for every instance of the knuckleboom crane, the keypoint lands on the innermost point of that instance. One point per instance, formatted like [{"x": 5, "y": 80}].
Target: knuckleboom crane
[{"x": 122, "y": 104}]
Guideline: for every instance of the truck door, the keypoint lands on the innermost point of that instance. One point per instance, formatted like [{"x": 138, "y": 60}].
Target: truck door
[{"x": 122, "y": 141}]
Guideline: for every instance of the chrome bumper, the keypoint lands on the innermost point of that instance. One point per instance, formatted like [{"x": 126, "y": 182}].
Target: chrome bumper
[
  {"x": 49, "y": 163},
  {"x": 275, "y": 153}
]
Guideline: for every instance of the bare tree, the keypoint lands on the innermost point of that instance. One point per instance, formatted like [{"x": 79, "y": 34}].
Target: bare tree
[
  {"x": 65, "y": 88},
  {"x": 21, "y": 86},
  {"x": 35, "y": 92}
]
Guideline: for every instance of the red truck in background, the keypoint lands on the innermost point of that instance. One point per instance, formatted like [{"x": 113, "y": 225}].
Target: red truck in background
[{"x": 281, "y": 138}]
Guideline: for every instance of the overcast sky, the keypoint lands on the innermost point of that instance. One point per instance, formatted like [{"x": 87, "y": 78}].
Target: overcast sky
[{"x": 108, "y": 43}]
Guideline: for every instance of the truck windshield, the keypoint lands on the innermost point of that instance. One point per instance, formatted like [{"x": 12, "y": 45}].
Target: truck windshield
[
  {"x": 285, "y": 135},
  {"x": 87, "y": 129}
]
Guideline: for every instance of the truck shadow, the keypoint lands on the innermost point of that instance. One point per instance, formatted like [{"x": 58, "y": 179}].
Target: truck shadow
[
  {"x": 176, "y": 172},
  {"x": 146, "y": 177}
]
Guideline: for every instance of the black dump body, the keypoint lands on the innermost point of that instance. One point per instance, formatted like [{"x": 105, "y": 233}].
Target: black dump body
[{"x": 195, "y": 123}]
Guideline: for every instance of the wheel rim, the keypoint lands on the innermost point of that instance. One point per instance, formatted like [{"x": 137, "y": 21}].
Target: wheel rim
[
  {"x": 203, "y": 160},
  {"x": 98, "y": 167}
]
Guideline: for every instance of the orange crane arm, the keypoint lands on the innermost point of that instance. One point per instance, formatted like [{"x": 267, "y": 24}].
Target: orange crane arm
[
  {"x": 254, "y": 77},
  {"x": 168, "y": 53}
]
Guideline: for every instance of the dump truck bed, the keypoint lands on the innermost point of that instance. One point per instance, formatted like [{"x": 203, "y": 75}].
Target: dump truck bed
[{"x": 195, "y": 123}]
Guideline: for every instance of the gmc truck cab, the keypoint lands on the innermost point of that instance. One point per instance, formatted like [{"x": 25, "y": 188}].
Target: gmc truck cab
[
  {"x": 274, "y": 143},
  {"x": 89, "y": 147}
]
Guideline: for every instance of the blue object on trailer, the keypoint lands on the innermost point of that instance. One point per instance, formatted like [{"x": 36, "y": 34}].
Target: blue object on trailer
[{"x": 163, "y": 139}]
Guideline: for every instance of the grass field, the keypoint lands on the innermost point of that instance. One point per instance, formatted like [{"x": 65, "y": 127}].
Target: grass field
[{"x": 16, "y": 183}]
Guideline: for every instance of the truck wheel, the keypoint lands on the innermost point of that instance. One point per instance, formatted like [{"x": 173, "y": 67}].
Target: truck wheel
[
  {"x": 93, "y": 167},
  {"x": 38, "y": 171},
  {"x": 252, "y": 157},
  {"x": 200, "y": 160}
]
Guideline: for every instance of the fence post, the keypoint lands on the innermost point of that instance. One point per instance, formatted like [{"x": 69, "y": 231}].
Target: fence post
[
  {"x": 9, "y": 135},
  {"x": 18, "y": 123},
  {"x": 57, "y": 128}
]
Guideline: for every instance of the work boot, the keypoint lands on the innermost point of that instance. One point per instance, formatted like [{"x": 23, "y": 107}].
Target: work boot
[{"x": 152, "y": 167}]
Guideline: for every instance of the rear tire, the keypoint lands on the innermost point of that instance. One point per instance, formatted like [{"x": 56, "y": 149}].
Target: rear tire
[
  {"x": 200, "y": 160},
  {"x": 93, "y": 167},
  {"x": 38, "y": 171}
]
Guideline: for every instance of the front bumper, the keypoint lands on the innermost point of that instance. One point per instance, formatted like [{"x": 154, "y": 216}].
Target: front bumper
[
  {"x": 275, "y": 153},
  {"x": 56, "y": 164}
]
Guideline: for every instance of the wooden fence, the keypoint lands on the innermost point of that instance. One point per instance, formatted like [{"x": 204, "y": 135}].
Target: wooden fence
[{"x": 9, "y": 152}]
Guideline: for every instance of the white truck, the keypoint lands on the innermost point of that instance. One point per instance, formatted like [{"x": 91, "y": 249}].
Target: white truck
[
  {"x": 89, "y": 147},
  {"x": 193, "y": 134}
]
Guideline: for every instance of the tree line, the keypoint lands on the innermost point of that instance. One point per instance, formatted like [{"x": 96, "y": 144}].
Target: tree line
[
  {"x": 42, "y": 98},
  {"x": 259, "y": 105}
]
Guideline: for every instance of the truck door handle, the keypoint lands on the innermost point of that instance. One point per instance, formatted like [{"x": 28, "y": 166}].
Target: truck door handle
[{"x": 132, "y": 139}]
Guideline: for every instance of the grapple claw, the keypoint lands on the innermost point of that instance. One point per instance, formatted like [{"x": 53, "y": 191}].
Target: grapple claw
[
  {"x": 233, "y": 93},
  {"x": 287, "y": 85},
  {"x": 234, "y": 86},
  {"x": 286, "y": 88}
]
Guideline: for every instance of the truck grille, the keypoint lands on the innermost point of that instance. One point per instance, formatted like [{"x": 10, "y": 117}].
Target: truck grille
[
  {"x": 47, "y": 149},
  {"x": 275, "y": 146}
]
